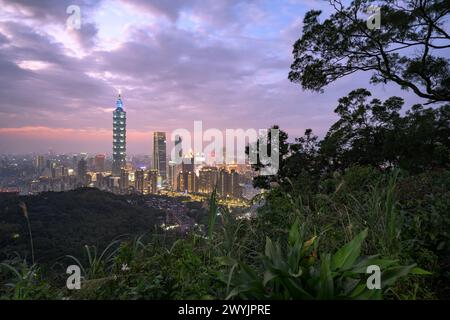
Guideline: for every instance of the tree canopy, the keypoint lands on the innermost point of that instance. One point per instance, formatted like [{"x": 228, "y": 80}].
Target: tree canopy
[{"x": 408, "y": 48}]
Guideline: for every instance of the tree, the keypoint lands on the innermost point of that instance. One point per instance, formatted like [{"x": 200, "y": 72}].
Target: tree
[
  {"x": 372, "y": 132},
  {"x": 405, "y": 49},
  {"x": 264, "y": 181}
]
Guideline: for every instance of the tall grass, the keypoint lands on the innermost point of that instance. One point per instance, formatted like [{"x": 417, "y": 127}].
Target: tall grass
[{"x": 24, "y": 208}]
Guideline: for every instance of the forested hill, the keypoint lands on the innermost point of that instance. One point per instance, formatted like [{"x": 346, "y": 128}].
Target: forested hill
[{"x": 62, "y": 223}]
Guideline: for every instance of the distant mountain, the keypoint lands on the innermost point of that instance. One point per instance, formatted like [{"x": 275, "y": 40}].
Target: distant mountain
[{"x": 63, "y": 222}]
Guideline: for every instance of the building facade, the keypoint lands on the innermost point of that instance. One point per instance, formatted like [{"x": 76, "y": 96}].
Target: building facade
[
  {"x": 159, "y": 154},
  {"x": 119, "y": 138}
]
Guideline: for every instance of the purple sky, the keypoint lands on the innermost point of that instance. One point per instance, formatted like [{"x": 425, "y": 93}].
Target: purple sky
[{"x": 224, "y": 62}]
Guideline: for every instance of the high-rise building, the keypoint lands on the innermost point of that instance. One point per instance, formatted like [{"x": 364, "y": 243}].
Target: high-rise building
[
  {"x": 139, "y": 180},
  {"x": 124, "y": 181},
  {"x": 159, "y": 154},
  {"x": 99, "y": 163},
  {"x": 152, "y": 178},
  {"x": 207, "y": 179},
  {"x": 223, "y": 184},
  {"x": 188, "y": 163},
  {"x": 192, "y": 182},
  {"x": 81, "y": 171},
  {"x": 236, "y": 190},
  {"x": 119, "y": 137},
  {"x": 39, "y": 163},
  {"x": 172, "y": 175}
]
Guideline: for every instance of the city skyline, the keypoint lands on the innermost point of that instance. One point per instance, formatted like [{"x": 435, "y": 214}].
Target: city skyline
[{"x": 173, "y": 63}]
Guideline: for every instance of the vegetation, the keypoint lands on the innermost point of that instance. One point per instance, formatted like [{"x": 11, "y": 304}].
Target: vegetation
[
  {"x": 63, "y": 223},
  {"x": 407, "y": 49}
]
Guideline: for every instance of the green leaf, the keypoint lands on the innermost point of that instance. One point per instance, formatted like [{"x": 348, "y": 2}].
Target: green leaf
[
  {"x": 267, "y": 277},
  {"x": 420, "y": 271},
  {"x": 347, "y": 255},
  {"x": 326, "y": 280},
  {"x": 294, "y": 233},
  {"x": 390, "y": 276}
]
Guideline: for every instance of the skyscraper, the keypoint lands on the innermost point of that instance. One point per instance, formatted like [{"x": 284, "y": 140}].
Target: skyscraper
[
  {"x": 81, "y": 172},
  {"x": 172, "y": 176},
  {"x": 207, "y": 179},
  {"x": 39, "y": 163},
  {"x": 119, "y": 137},
  {"x": 152, "y": 178},
  {"x": 123, "y": 182},
  {"x": 159, "y": 154},
  {"x": 139, "y": 180}
]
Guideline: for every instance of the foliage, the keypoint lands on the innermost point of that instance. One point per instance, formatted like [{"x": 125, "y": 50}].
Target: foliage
[
  {"x": 300, "y": 274},
  {"x": 63, "y": 223},
  {"x": 343, "y": 44}
]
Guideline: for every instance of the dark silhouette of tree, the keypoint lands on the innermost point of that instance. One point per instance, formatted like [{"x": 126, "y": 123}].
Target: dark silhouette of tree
[
  {"x": 405, "y": 50},
  {"x": 374, "y": 133},
  {"x": 264, "y": 181}
]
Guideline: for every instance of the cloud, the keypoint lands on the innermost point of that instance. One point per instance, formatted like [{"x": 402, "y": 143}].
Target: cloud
[{"x": 222, "y": 62}]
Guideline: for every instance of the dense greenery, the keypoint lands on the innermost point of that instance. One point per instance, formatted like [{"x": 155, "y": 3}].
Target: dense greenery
[
  {"x": 62, "y": 223},
  {"x": 408, "y": 49}
]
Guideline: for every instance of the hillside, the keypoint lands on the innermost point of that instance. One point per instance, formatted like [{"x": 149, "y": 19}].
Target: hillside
[{"x": 62, "y": 223}]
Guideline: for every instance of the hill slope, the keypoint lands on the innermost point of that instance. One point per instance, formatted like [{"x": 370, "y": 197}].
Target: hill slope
[{"x": 62, "y": 223}]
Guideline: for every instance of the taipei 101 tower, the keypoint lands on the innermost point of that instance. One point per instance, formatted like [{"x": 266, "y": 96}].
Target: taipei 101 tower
[{"x": 119, "y": 137}]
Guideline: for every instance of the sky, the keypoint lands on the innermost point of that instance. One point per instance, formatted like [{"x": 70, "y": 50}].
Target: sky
[{"x": 223, "y": 62}]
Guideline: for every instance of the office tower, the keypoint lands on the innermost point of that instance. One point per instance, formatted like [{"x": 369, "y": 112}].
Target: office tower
[
  {"x": 235, "y": 188},
  {"x": 124, "y": 181},
  {"x": 81, "y": 171},
  {"x": 39, "y": 163},
  {"x": 223, "y": 183},
  {"x": 74, "y": 162},
  {"x": 188, "y": 163},
  {"x": 172, "y": 175},
  {"x": 139, "y": 180},
  {"x": 159, "y": 154},
  {"x": 152, "y": 179},
  {"x": 181, "y": 182},
  {"x": 207, "y": 179},
  {"x": 192, "y": 182},
  {"x": 119, "y": 137},
  {"x": 187, "y": 181},
  {"x": 99, "y": 163}
]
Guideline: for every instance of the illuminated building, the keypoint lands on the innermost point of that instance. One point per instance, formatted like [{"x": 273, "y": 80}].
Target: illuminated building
[
  {"x": 159, "y": 154},
  {"x": 223, "y": 183},
  {"x": 207, "y": 179},
  {"x": 187, "y": 182},
  {"x": 152, "y": 179},
  {"x": 172, "y": 175},
  {"x": 139, "y": 180},
  {"x": 39, "y": 163},
  {"x": 235, "y": 188},
  {"x": 192, "y": 182},
  {"x": 81, "y": 171},
  {"x": 124, "y": 181},
  {"x": 119, "y": 137}
]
